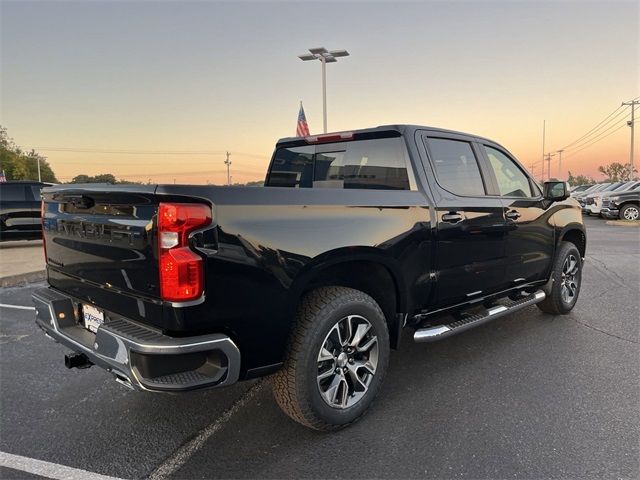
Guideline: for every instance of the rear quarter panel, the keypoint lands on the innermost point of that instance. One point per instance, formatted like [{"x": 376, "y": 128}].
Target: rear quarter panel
[{"x": 269, "y": 239}]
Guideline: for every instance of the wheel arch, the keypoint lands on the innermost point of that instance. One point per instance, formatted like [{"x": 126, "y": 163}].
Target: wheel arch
[
  {"x": 361, "y": 268},
  {"x": 576, "y": 234}
]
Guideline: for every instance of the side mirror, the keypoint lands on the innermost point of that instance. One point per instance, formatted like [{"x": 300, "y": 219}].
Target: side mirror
[{"x": 556, "y": 191}]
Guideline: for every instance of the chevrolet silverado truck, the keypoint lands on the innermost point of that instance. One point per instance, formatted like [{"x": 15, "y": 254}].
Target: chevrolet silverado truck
[
  {"x": 623, "y": 205},
  {"x": 312, "y": 279}
]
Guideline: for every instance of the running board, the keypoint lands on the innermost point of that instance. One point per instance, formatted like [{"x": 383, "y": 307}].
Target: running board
[{"x": 438, "y": 332}]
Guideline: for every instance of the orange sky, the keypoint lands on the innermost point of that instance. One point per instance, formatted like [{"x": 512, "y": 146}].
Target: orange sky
[{"x": 205, "y": 77}]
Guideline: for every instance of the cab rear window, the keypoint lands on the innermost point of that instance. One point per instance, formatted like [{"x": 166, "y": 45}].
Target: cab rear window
[
  {"x": 378, "y": 164},
  {"x": 13, "y": 192}
]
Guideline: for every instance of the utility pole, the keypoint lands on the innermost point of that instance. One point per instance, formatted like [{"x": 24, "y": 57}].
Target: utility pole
[
  {"x": 549, "y": 155},
  {"x": 227, "y": 162},
  {"x": 544, "y": 124},
  {"x": 559, "y": 152},
  {"x": 40, "y": 177},
  {"x": 633, "y": 104}
]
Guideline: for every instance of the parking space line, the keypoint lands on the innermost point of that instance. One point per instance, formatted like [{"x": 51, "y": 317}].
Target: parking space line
[
  {"x": 18, "y": 307},
  {"x": 48, "y": 469},
  {"x": 172, "y": 464}
]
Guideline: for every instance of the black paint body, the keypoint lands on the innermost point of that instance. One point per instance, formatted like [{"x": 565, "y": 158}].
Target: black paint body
[{"x": 267, "y": 246}]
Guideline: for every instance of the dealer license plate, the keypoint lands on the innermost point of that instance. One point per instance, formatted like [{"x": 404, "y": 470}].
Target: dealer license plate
[{"x": 93, "y": 317}]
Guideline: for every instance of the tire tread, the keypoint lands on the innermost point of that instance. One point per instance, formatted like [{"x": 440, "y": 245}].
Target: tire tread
[{"x": 286, "y": 382}]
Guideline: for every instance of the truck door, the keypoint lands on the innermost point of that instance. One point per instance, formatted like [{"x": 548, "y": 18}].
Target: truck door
[
  {"x": 530, "y": 237},
  {"x": 470, "y": 247}
]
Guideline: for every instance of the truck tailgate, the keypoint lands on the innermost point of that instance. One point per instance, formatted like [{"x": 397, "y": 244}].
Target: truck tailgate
[{"x": 102, "y": 237}]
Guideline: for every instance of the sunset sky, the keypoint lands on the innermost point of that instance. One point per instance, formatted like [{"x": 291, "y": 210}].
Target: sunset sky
[{"x": 132, "y": 83}]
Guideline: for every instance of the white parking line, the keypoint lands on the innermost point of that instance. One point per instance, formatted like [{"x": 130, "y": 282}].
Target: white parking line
[
  {"x": 47, "y": 469},
  {"x": 18, "y": 307},
  {"x": 172, "y": 464}
]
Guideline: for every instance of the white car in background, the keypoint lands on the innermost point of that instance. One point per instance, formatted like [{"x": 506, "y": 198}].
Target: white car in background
[{"x": 594, "y": 201}]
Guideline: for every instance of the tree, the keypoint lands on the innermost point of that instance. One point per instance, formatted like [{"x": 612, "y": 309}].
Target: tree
[
  {"x": 101, "y": 178},
  {"x": 19, "y": 165},
  {"x": 617, "y": 172},
  {"x": 579, "y": 180}
]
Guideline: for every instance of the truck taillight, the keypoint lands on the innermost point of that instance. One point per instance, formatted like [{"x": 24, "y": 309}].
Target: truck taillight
[{"x": 181, "y": 269}]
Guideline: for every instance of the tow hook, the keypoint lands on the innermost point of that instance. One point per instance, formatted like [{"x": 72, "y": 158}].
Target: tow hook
[{"x": 76, "y": 360}]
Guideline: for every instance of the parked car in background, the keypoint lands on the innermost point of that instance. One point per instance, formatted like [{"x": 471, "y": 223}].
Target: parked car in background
[
  {"x": 20, "y": 210},
  {"x": 589, "y": 199},
  {"x": 580, "y": 188},
  {"x": 580, "y": 197},
  {"x": 623, "y": 205},
  {"x": 595, "y": 207}
]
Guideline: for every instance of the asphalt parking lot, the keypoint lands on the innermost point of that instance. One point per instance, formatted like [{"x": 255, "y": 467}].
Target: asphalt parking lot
[{"x": 526, "y": 396}]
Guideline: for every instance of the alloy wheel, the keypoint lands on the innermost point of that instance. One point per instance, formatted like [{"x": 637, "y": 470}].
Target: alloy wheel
[
  {"x": 347, "y": 362},
  {"x": 631, "y": 213},
  {"x": 570, "y": 279}
]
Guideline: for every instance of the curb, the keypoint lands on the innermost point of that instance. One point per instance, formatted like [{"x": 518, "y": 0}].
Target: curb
[
  {"x": 22, "y": 278},
  {"x": 623, "y": 223}
]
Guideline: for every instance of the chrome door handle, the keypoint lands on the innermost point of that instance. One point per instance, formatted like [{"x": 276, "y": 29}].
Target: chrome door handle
[
  {"x": 452, "y": 217},
  {"x": 513, "y": 215}
]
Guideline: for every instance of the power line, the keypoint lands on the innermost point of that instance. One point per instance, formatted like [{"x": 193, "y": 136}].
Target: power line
[
  {"x": 581, "y": 144},
  {"x": 142, "y": 152},
  {"x": 596, "y": 141},
  {"x": 594, "y": 128}
]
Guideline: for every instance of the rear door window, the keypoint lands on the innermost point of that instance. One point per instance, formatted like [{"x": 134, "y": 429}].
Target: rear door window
[{"x": 456, "y": 166}]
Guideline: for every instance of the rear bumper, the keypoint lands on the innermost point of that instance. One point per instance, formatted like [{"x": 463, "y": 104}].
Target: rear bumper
[{"x": 140, "y": 357}]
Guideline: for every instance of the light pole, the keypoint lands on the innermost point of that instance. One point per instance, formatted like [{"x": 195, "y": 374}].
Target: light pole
[
  {"x": 325, "y": 56},
  {"x": 559, "y": 152}
]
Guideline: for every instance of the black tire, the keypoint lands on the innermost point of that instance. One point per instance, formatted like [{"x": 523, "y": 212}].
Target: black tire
[
  {"x": 557, "y": 301},
  {"x": 629, "y": 212},
  {"x": 296, "y": 386}
]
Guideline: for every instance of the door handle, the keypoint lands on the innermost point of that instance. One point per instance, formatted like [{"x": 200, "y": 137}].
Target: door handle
[
  {"x": 513, "y": 215},
  {"x": 452, "y": 217}
]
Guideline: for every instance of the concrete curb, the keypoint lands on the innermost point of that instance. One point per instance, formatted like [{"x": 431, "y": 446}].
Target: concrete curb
[
  {"x": 22, "y": 278},
  {"x": 623, "y": 223}
]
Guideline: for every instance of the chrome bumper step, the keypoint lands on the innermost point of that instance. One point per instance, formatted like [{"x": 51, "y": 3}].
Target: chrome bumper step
[{"x": 438, "y": 332}]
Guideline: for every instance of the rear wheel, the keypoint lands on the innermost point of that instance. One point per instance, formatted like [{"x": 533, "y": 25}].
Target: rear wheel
[
  {"x": 337, "y": 359},
  {"x": 629, "y": 212},
  {"x": 566, "y": 278}
]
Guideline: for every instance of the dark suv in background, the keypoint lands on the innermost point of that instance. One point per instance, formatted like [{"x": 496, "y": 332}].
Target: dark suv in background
[{"x": 20, "y": 210}]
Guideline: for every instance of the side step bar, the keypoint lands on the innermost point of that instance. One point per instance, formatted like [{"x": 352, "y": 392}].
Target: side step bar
[{"x": 438, "y": 332}]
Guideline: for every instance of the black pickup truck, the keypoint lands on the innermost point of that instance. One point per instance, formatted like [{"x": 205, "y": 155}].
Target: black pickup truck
[
  {"x": 624, "y": 205},
  {"x": 356, "y": 236}
]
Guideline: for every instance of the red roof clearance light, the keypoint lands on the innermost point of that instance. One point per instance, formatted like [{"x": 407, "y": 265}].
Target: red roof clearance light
[
  {"x": 181, "y": 269},
  {"x": 330, "y": 137}
]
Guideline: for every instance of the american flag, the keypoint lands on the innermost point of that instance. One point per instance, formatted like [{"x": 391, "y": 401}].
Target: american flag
[
  {"x": 3, "y": 177},
  {"x": 302, "y": 130}
]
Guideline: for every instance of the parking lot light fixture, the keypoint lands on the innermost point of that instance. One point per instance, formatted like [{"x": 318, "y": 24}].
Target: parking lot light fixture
[{"x": 324, "y": 56}]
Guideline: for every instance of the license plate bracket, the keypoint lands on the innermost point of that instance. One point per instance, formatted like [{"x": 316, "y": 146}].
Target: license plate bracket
[{"x": 92, "y": 317}]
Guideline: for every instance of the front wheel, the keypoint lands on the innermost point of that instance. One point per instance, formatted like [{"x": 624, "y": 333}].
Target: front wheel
[
  {"x": 566, "y": 278},
  {"x": 337, "y": 359},
  {"x": 630, "y": 212}
]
